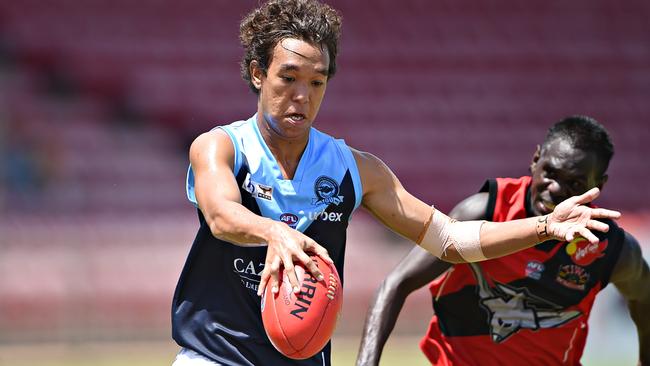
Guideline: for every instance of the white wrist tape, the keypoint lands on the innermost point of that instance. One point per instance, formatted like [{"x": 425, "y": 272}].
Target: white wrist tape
[{"x": 443, "y": 232}]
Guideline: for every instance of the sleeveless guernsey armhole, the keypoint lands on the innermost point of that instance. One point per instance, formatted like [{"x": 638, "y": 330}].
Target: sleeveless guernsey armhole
[
  {"x": 354, "y": 170},
  {"x": 618, "y": 235},
  {"x": 235, "y": 145},
  {"x": 491, "y": 187},
  {"x": 189, "y": 186},
  {"x": 189, "y": 180}
]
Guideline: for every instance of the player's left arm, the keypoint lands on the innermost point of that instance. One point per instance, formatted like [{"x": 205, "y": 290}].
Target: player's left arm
[
  {"x": 632, "y": 278},
  {"x": 469, "y": 241}
]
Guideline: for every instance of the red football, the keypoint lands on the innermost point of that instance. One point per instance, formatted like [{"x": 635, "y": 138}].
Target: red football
[{"x": 300, "y": 325}]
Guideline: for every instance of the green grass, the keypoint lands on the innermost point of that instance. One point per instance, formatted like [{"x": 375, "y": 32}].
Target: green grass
[
  {"x": 400, "y": 351},
  {"x": 96, "y": 354}
]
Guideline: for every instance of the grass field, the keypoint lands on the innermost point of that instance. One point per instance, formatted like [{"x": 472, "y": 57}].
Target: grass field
[{"x": 400, "y": 351}]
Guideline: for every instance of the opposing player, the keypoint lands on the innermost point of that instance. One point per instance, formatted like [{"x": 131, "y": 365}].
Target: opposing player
[
  {"x": 271, "y": 188},
  {"x": 531, "y": 307}
]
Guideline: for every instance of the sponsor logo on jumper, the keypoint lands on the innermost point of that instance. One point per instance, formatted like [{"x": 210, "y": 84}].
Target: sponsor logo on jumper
[
  {"x": 572, "y": 276},
  {"x": 325, "y": 216},
  {"x": 511, "y": 309},
  {"x": 256, "y": 189},
  {"x": 249, "y": 272},
  {"x": 327, "y": 191},
  {"x": 584, "y": 253},
  {"x": 534, "y": 270},
  {"x": 289, "y": 219},
  {"x": 303, "y": 299},
  {"x": 265, "y": 192}
]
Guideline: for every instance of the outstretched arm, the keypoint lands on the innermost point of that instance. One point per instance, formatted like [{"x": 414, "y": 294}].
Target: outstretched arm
[
  {"x": 415, "y": 270},
  {"x": 218, "y": 198},
  {"x": 632, "y": 278},
  {"x": 385, "y": 197},
  {"x": 569, "y": 219}
]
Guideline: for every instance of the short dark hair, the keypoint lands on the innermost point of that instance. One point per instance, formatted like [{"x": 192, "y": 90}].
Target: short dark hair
[
  {"x": 308, "y": 20},
  {"x": 586, "y": 134}
]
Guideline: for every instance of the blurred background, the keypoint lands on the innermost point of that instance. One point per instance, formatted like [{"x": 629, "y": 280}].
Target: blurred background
[{"x": 99, "y": 100}]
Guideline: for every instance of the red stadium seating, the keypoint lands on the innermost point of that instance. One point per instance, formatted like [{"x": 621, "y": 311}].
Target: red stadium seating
[{"x": 449, "y": 93}]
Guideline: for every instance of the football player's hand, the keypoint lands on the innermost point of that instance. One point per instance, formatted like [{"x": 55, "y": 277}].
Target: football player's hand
[
  {"x": 287, "y": 246},
  {"x": 571, "y": 218}
]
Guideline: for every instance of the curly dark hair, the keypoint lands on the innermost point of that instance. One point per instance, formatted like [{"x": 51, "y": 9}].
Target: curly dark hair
[
  {"x": 308, "y": 20},
  {"x": 586, "y": 134}
]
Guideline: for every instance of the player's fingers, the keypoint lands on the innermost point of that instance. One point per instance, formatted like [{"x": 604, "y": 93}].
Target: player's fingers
[
  {"x": 319, "y": 250},
  {"x": 290, "y": 271},
  {"x": 266, "y": 273},
  {"x": 311, "y": 266},
  {"x": 568, "y": 234},
  {"x": 588, "y": 196},
  {"x": 603, "y": 213},
  {"x": 274, "y": 272},
  {"x": 264, "y": 278},
  {"x": 585, "y": 233},
  {"x": 598, "y": 226}
]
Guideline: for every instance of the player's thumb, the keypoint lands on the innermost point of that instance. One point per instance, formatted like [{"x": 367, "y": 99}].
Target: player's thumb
[{"x": 588, "y": 196}]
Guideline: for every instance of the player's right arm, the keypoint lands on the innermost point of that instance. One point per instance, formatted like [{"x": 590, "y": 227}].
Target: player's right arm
[
  {"x": 418, "y": 268},
  {"x": 212, "y": 158},
  {"x": 631, "y": 275}
]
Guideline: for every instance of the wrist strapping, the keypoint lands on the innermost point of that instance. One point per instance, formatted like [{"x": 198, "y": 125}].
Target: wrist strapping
[
  {"x": 441, "y": 232},
  {"x": 542, "y": 228}
]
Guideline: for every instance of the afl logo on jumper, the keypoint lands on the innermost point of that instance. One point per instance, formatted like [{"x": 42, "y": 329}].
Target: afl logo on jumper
[
  {"x": 327, "y": 191},
  {"x": 289, "y": 219},
  {"x": 534, "y": 270}
]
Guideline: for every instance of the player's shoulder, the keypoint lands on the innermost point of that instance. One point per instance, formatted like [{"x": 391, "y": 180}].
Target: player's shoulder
[
  {"x": 366, "y": 160},
  {"x": 371, "y": 168},
  {"x": 508, "y": 186},
  {"x": 210, "y": 147},
  {"x": 629, "y": 244},
  {"x": 473, "y": 207},
  {"x": 242, "y": 129},
  {"x": 212, "y": 138},
  {"x": 374, "y": 174},
  {"x": 630, "y": 264},
  {"x": 323, "y": 141}
]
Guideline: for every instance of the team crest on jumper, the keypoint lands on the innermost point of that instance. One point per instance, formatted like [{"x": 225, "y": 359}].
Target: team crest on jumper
[{"x": 327, "y": 191}]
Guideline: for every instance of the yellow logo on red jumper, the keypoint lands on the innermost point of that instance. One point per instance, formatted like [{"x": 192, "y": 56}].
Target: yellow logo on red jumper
[{"x": 584, "y": 253}]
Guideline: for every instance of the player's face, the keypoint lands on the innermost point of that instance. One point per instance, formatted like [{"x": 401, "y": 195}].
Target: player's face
[
  {"x": 560, "y": 171},
  {"x": 292, "y": 90}
]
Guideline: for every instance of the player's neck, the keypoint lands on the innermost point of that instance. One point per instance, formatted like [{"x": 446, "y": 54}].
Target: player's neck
[
  {"x": 287, "y": 151},
  {"x": 288, "y": 157}
]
